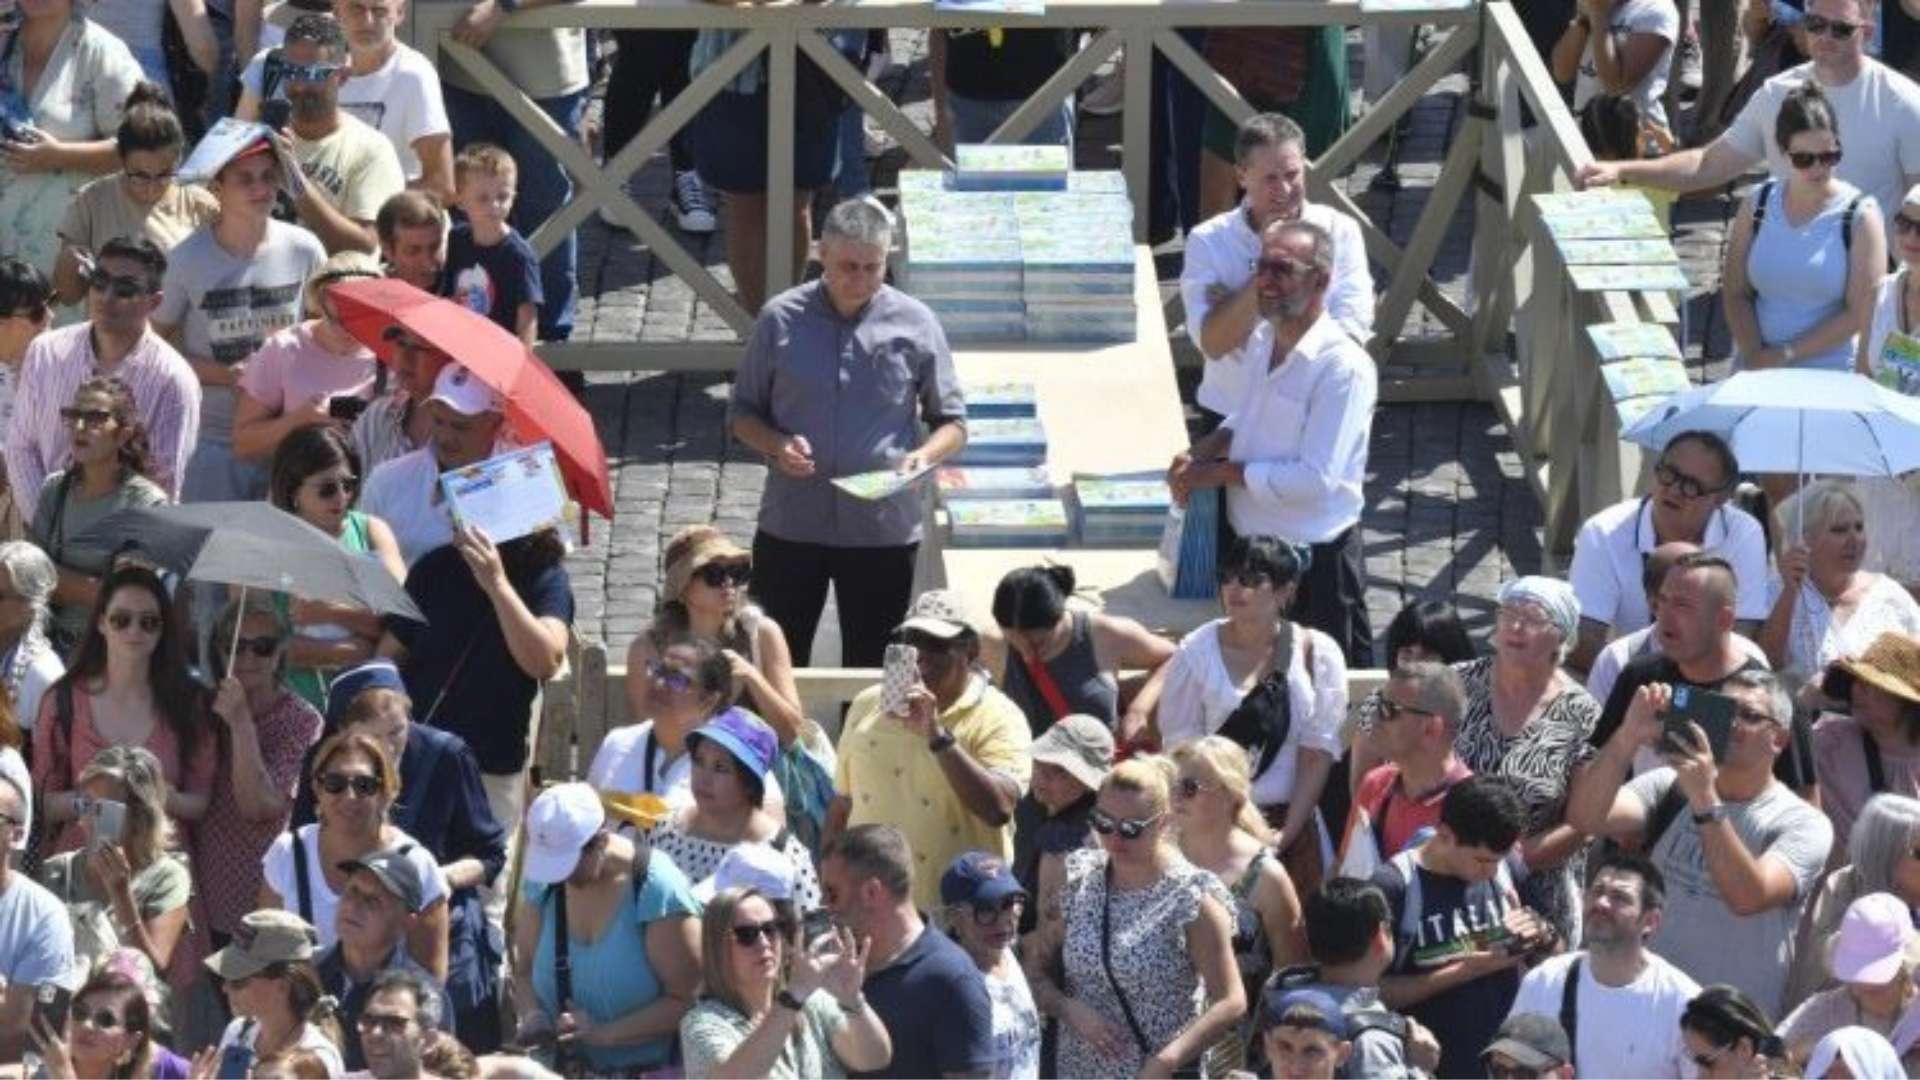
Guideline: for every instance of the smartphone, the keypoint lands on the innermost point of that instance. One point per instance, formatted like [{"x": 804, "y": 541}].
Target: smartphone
[
  {"x": 899, "y": 674},
  {"x": 815, "y": 925},
  {"x": 346, "y": 409},
  {"x": 1712, "y": 712},
  {"x": 50, "y": 1005},
  {"x": 109, "y": 820},
  {"x": 236, "y": 1059}
]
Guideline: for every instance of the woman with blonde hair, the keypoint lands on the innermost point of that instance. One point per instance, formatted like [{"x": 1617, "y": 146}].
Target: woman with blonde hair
[
  {"x": 1222, "y": 832},
  {"x": 754, "y": 969},
  {"x": 1136, "y": 932}
]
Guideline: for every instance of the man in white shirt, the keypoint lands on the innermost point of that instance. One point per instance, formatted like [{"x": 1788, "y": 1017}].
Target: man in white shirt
[
  {"x": 1219, "y": 287},
  {"x": 405, "y": 492},
  {"x": 1693, "y": 480},
  {"x": 1292, "y": 456},
  {"x": 1877, "y": 110},
  {"x": 1621, "y": 1004},
  {"x": 1622, "y": 651}
]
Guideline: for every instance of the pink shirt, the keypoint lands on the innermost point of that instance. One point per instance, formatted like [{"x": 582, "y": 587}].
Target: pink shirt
[
  {"x": 164, "y": 390},
  {"x": 59, "y": 757},
  {"x": 292, "y": 368}
]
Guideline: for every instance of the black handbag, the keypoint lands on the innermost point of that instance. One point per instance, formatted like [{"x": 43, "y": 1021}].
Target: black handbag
[{"x": 1264, "y": 718}]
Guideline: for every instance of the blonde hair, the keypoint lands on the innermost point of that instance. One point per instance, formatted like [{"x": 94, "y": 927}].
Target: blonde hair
[
  {"x": 716, "y": 935},
  {"x": 340, "y": 266},
  {"x": 1151, "y": 775},
  {"x": 483, "y": 159},
  {"x": 1812, "y": 508},
  {"x": 147, "y": 830},
  {"x": 1229, "y": 767}
]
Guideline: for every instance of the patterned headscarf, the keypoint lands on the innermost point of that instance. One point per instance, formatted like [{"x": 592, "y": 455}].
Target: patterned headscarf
[{"x": 1554, "y": 596}]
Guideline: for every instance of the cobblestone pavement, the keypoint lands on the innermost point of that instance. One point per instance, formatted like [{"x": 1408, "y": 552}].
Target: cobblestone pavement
[{"x": 1448, "y": 514}]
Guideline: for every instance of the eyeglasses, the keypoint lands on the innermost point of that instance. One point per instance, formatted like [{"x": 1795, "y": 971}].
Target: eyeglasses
[
  {"x": 988, "y": 914},
  {"x": 1246, "y": 579},
  {"x": 364, "y": 785},
  {"x": 1521, "y": 618},
  {"x": 150, "y": 177},
  {"x": 1837, "y": 29},
  {"x": 1129, "y": 828},
  {"x": 1905, "y": 225},
  {"x": 11, "y": 822},
  {"x": 310, "y": 73},
  {"x": 1707, "y": 1061},
  {"x": 1393, "y": 710},
  {"x": 1807, "y": 159},
  {"x": 120, "y": 288},
  {"x": 150, "y": 622},
  {"x": 1749, "y": 715},
  {"x": 384, "y": 1023},
  {"x": 1280, "y": 269},
  {"x": 747, "y": 935},
  {"x": 86, "y": 417},
  {"x": 97, "y": 1019},
  {"x": 333, "y": 488},
  {"x": 1688, "y": 487},
  {"x": 719, "y": 575},
  {"x": 1189, "y": 787},
  {"x": 263, "y": 646},
  {"x": 669, "y": 678}
]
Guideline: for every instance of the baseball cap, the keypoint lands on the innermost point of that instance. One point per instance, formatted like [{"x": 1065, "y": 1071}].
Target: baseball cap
[
  {"x": 755, "y": 866},
  {"x": 975, "y": 877},
  {"x": 263, "y": 938},
  {"x": 1875, "y": 936},
  {"x": 744, "y": 735},
  {"x": 938, "y": 613},
  {"x": 1532, "y": 1040},
  {"x": 560, "y": 822},
  {"x": 460, "y": 391},
  {"x": 1079, "y": 744},
  {"x": 396, "y": 873},
  {"x": 357, "y": 680},
  {"x": 1303, "y": 1007}
]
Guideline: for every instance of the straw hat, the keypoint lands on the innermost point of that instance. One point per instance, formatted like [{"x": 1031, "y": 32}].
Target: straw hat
[{"x": 1891, "y": 663}]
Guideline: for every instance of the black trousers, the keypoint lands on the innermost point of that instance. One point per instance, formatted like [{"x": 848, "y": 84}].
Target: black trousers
[
  {"x": 649, "y": 62},
  {"x": 1333, "y": 597},
  {"x": 871, "y": 585}
]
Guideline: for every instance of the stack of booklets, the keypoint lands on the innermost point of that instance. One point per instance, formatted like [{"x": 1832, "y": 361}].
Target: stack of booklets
[
  {"x": 963, "y": 261},
  {"x": 987, "y": 167},
  {"x": 1640, "y": 365},
  {"x": 1121, "y": 509},
  {"x": 1611, "y": 239},
  {"x": 994, "y": 482},
  {"x": 1008, "y": 523},
  {"x": 999, "y": 400},
  {"x": 1008, "y": 441},
  {"x": 1076, "y": 255}
]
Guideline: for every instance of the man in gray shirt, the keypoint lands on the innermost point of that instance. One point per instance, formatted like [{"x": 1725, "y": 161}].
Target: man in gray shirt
[{"x": 838, "y": 377}]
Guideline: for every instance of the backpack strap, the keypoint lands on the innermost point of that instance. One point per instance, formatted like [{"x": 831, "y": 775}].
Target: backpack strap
[
  {"x": 1846, "y": 224},
  {"x": 1409, "y": 927},
  {"x": 1760, "y": 199},
  {"x": 1665, "y": 812},
  {"x": 1876, "y": 769},
  {"x": 302, "y": 877},
  {"x": 1570, "y": 1010}
]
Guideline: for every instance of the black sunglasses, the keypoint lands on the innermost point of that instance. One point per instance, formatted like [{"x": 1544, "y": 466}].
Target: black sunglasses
[
  {"x": 1129, "y": 828},
  {"x": 1837, "y": 29},
  {"x": 88, "y": 417},
  {"x": 1393, "y": 710},
  {"x": 332, "y": 488},
  {"x": 1807, "y": 159},
  {"x": 263, "y": 646},
  {"x": 1905, "y": 225},
  {"x": 747, "y": 935},
  {"x": 988, "y": 914},
  {"x": 1189, "y": 787},
  {"x": 120, "y": 288},
  {"x": 718, "y": 575},
  {"x": 364, "y": 785},
  {"x": 1280, "y": 268},
  {"x": 149, "y": 621},
  {"x": 97, "y": 1019},
  {"x": 385, "y": 1023},
  {"x": 672, "y": 678}
]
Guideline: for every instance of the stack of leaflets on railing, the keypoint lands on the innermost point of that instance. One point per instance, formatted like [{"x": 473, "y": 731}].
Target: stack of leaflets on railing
[
  {"x": 1625, "y": 340},
  {"x": 1641, "y": 377},
  {"x": 1190, "y": 547},
  {"x": 1017, "y": 440},
  {"x": 1617, "y": 252},
  {"x": 1647, "y": 277},
  {"x": 1121, "y": 509},
  {"x": 994, "y": 482},
  {"x": 1000, "y": 399},
  {"x": 1077, "y": 262},
  {"x": 963, "y": 261},
  {"x": 1007, "y": 523},
  {"x": 1599, "y": 214},
  {"x": 996, "y": 167}
]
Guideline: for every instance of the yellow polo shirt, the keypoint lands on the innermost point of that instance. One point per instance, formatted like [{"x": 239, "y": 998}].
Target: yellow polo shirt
[{"x": 893, "y": 779}]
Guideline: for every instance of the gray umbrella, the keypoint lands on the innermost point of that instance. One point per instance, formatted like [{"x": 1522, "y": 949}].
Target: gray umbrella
[{"x": 253, "y": 545}]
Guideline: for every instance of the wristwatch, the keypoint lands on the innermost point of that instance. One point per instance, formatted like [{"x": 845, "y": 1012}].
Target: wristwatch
[
  {"x": 786, "y": 1000},
  {"x": 939, "y": 743},
  {"x": 1718, "y": 812}
]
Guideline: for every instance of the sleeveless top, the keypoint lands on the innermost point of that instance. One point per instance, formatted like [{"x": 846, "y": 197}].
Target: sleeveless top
[
  {"x": 1253, "y": 958},
  {"x": 1799, "y": 274},
  {"x": 1077, "y": 672}
]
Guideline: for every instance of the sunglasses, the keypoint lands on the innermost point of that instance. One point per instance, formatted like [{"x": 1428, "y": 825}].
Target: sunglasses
[
  {"x": 1393, "y": 710},
  {"x": 263, "y": 646},
  {"x": 333, "y": 489},
  {"x": 1837, "y": 29},
  {"x": 1500, "y": 1070},
  {"x": 384, "y": 1023},
  {"x": 97, "y": 1019},
  {"x": 988, "y": 914},
  {"x": 670, "y": 678},
  {"x": 364, "y": 785},
  {"x": 120, "y": 288},
  {"x": 150, "y": 622},
  {"x": 1188, "y": 787},
  {"x": 1280, "y": 269},
  {"x": 86, "y": 417},
  {"x": 310, "y": 73},
  {"x": 1905, "y": 225},
  {"x": 1129, "y": 828},
  {"x": 773, "y": 932},
  {"x": 1807, "y": 159},
  {"x": 719, "y": 575},
  {"x": 1688, "y": 487}
]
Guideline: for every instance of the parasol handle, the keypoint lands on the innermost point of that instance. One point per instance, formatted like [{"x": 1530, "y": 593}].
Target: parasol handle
[{"x": 239, "y": 616}]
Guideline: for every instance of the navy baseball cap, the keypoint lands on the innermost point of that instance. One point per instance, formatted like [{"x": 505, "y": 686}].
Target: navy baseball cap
[
  {"x": 976, "y": 877},
  {"x": 1303, "y": 1007},
  {"x": 357, "y": 680}
]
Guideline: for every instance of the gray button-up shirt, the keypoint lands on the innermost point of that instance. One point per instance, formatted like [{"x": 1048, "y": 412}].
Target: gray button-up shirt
[{"x": 857, "y": 389}]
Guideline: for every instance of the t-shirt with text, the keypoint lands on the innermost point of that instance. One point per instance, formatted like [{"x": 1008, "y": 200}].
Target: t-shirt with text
[{"x": 491, "y": 279}]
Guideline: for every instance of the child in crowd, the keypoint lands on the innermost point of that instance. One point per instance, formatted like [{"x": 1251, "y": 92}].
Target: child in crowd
[{"x": 490, "y": 268}]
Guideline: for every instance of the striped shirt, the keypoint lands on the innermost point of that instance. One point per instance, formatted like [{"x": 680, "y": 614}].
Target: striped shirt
[
  {"x": 380, "y": 434},
  {"x": 164, "y": 390}
]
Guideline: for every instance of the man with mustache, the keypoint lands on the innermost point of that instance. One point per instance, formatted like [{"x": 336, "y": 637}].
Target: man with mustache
[{"x": 351, "y": 168}]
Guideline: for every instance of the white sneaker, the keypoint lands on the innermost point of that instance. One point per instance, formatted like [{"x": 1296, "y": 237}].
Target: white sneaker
[
  {"x": 692, "y": 207},
  {"x": 1107, "y": 95}
]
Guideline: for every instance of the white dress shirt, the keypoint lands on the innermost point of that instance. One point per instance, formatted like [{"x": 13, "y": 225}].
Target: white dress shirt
[
  {"x": 1301, "y": 429},
  {"x": 1222, "y": 251},
  {"x": 1610, "y": 551}
]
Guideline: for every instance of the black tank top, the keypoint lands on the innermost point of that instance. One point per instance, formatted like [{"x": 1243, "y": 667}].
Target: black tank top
[{"x": 1076, "y": 671}]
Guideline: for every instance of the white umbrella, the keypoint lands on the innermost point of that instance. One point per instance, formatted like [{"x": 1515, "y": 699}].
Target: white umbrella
[{"x": 1793, "y": 420}]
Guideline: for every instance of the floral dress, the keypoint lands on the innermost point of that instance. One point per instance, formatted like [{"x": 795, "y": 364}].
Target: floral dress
[
  {"x": 1147, "y": 953},
  {"x": 699, "y": 858}
]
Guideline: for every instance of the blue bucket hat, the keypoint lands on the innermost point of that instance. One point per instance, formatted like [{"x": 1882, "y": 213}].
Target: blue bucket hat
[{"x": 747, "y": 737}]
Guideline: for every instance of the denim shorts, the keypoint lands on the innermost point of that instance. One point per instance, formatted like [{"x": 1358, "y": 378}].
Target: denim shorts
[{"x": 729, "y": 140}]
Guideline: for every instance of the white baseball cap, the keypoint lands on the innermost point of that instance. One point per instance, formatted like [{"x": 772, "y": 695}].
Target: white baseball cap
[
  {"x": 460, "y": 391},
  {"x": 756, "y": 866},
  {"x": 559, "y": 824}
]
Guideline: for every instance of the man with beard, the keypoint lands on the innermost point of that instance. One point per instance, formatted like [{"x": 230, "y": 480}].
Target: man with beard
[
  {"x": 351, "y": 168},
  {"x": 1292, "y": 455},
  {"x": 1619, "y": 1003}
]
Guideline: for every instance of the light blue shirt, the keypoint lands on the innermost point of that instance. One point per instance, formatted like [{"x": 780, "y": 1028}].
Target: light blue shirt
[
  {"x": 1799, "y": 274},
  {"x": 36, "y": 936}
]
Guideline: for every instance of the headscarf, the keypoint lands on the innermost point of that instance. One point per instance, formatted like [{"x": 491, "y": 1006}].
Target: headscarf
[
  {"x": 1554, "y": 596},
  {"x": 1869, "y": 1056}
]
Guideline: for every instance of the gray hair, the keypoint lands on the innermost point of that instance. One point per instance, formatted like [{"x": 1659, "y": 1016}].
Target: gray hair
[
  {"x": 426, "y": 996},
  {"x": 861, "y": 221},
  {"x": 1883, "y": 834},
  {"x": 32, "y": 572},
  {"x": 1266, "y": 130},
  {"x": 1436, "y": 686},
  {"x": 1779, "y": 701},
  {"x": 1322, "y": 257},
  {"x": 1813, "y": 508}
]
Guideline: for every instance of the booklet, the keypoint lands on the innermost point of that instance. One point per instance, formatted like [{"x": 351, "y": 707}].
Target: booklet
[
  {"x": 508, "y": 496},
  {"x": 880, "y": 483},
  {"x": 225, "y": 141},
  {"x": 1612, "y": 252},
  {"x": 1643, "y": 378},
  {"x": 1647, "y": 278},
  {"x": 1620, "y": 340}
]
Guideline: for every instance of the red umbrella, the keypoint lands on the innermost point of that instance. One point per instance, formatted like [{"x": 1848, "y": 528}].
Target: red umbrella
[{"x": 538, "y": 406}]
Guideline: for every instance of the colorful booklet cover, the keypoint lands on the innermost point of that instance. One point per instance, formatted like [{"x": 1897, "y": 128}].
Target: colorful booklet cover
[
  {"x": 1648, "y": 278},
  {"x": 1620, "y": 340},
  {"x": 509, "y": 495},
  {"x": 1009, "y": 522},
  {"x": 880, "y": 483},
  {"x": 226, "y": 140},
  {"x": 1642, "y": 377},
  {"x": 1616, "y": 252},
  {"x": 994, "y": 482},
  {"x": 1000, "y": 398},
  {"x": 1601, "y": 214}
]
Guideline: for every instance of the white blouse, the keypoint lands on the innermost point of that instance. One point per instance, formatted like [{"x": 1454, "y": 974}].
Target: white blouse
[
  {"x": 1814, "y": 641},
  {"x": 1200, "y": 694}
]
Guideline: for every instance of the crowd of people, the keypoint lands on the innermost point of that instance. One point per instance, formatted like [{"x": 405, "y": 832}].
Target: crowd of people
[{"x": 1666, "y": 824}]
